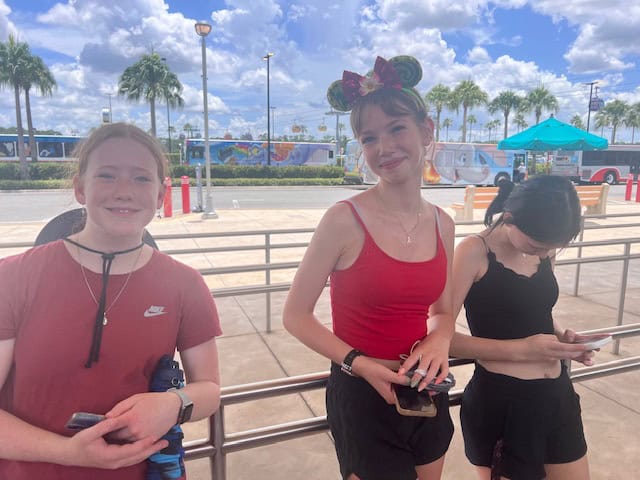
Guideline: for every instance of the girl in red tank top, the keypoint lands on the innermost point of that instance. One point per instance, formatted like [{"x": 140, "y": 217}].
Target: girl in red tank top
[{"x": 388, "y": 254}]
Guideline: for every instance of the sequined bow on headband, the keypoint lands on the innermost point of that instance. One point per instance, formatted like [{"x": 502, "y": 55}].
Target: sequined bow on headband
[
  {"x": 402, "y": 72},
  {"x": 382, "y": 76}
]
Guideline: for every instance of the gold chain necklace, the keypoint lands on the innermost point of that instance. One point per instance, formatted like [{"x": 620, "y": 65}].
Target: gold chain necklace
[
  {"x": 105, "y": 321},
  {"x": 408, "y": 233}
]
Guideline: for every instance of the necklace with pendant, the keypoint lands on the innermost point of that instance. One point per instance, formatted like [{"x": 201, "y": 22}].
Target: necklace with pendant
[
  {"x": 409, "y": 233},
  {"x": 101, "y": 314}
]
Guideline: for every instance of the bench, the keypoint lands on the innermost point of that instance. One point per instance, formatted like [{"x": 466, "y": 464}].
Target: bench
[
  {"x": 592, "y": 197},
  {"x": 474, "y": 198}
]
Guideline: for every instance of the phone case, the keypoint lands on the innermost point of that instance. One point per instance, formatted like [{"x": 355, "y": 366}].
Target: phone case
[
  {"x": 82, "y": 420},
  {"x": 411, "y": 403},
  {"x": 597, "y": 343}
]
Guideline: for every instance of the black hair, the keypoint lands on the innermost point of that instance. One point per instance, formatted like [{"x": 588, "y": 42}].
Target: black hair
[{"x": 546, "y": 208}]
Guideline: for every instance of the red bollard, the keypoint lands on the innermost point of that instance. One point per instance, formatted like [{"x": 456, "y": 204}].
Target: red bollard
[
  {"x": 168, "y": 203},
  {"x": 638, "y": 190},
  {"x": 186, "y": 203},
  {"x": 627, "y": 192}
]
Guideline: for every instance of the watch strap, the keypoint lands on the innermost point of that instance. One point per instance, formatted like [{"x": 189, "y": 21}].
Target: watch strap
[
  {"x": 186, "y": 406},
  {"x": 348, "y": 360}
]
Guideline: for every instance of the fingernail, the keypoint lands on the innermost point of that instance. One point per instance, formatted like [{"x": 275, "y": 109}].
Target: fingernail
[{"x": 414, "y": 382}]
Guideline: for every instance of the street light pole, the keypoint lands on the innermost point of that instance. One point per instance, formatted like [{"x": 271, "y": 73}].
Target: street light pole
[
  {"x": 591, "y": 84},
  {"x": 267, "y": 57},
  {"x": 203, "y": 29}
]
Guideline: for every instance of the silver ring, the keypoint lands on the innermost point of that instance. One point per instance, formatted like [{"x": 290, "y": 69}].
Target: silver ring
[{"x": 421, "y": 371}]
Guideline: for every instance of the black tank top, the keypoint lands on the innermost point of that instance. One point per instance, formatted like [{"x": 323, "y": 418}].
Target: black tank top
[{"x": 506, "y": 305}]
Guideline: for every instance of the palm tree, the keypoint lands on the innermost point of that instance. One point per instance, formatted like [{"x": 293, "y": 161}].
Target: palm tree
[
  {"x": 505, "y": 102},
  {"x": 632, "y": 119},
  {"x": 602, "y": 121},
  {"x": 468, "y": 95},
  {"x": 495, "y": 123},
  {"x": 471, "y": 120},
  {"x": 538, "y": 100},
  {"x": 38, "y": 76},
  {"x": 616, "y": 111},
  {"x": 438, "y": 97},
  {"x": 446, "y": 123},
  {"x": 151, "y": 79},
  {"x": 14, "y": 60},
  {"x": 188, "y": 129},
  {"x": 577, "y": 122},
  {"x": 520, "y": 122}
]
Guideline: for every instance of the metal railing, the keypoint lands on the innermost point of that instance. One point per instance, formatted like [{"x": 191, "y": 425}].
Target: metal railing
[{"x": 220, "y": 444}]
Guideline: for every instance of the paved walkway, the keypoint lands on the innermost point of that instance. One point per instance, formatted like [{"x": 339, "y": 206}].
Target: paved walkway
[{"x": 610, "y": 405}]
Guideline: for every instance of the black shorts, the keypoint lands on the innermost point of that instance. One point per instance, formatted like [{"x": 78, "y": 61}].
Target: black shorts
[
  {"x": 373, "y": 440},
  {"x": 538, "y": 422}
]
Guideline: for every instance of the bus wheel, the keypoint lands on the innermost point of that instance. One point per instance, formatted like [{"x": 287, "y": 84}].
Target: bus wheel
[
  {"x": 500, "y": 177},
  {"x": 610, "y": 178}
]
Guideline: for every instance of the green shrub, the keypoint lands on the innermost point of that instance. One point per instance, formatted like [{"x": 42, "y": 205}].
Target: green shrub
[
  {"x": 34, "y": 184},
  {"x": 9, "y": 171},
  {"x": 260, "y": 171}
]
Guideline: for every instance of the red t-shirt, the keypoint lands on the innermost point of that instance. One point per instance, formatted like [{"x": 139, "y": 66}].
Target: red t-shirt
[
  {"x": 46, "y": 307},
  {"x": 380, "y": 305}
]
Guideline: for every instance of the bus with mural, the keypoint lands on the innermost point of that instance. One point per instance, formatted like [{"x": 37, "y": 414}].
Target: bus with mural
[
  {"x": 450, "y": 164},
  {"x": 611, "y": 165},
  {"x": 252, "y": 152},
  {"x": 51, "y": 148}
]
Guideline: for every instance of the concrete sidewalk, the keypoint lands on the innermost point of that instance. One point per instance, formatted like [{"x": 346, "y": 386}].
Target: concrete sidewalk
[{"x": 610, "y": 405}]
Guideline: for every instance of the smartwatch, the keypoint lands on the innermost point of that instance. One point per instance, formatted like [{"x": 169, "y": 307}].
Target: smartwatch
[
  {"x": 348, "y": 360},
  {"x": 184, "y": 415}
]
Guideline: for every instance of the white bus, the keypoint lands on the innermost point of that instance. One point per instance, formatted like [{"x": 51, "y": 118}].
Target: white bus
[
  {"x": 598, "y": 166},
  {"x": 450, "y": 164}
]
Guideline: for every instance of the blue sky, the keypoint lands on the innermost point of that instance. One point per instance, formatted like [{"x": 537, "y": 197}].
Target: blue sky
[{"x": 505, "y": 44}]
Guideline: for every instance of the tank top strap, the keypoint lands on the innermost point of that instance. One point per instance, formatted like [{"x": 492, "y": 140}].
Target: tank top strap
[
  {"x": 356, "y": 213},
  {"x": 484, "y": 242}
]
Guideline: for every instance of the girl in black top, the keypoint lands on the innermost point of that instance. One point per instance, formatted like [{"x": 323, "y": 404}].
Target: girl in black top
[{"x": 520, "y": 415}]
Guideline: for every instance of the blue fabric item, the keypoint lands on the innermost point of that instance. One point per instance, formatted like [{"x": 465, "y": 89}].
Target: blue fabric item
[{"x": 168, "y": 463}]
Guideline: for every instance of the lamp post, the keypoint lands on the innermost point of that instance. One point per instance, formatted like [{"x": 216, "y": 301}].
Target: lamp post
[
  {"x": 203, "y": 29},
  {"x": 267, "y": 57}
]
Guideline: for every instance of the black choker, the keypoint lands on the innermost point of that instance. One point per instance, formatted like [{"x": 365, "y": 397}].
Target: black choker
[{"x": 107, "y": 260}]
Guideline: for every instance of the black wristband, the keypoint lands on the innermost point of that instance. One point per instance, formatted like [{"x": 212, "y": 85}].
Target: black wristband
[{"x": 348, "y": 360}]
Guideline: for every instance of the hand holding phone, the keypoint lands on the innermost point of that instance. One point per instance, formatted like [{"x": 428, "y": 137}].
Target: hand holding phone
[
  {"x": 82, "y": 420},
  {"x": 593, "y": 343},
  {"x": 410, "y": 402},
  {"x": 443, "y": 387}
]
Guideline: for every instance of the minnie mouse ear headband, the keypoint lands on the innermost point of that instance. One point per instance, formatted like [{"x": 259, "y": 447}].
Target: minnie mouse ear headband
[{"x": 402, "y": 72}]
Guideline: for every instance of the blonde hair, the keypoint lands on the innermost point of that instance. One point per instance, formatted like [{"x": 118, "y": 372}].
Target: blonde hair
[{"x": 120, "y": 130}]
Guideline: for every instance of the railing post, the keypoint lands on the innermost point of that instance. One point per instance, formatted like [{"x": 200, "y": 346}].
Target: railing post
[
  {"x": 219, "y": 460},
  {"x": 576, "y": 283},
  {"x": 267, "y": 280},
  {"x": 623, "y": 292}
]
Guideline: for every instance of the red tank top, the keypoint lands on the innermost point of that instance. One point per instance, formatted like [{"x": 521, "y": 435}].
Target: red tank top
[{"x": 380, "y": 305}]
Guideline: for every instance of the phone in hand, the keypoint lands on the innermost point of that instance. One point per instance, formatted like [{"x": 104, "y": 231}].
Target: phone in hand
[
  {"x": 443, "y": 387},
  {"x": 82, "y": 420},
  {"x": 593, "y": 343},
  {"x": 412, "y": 403}
]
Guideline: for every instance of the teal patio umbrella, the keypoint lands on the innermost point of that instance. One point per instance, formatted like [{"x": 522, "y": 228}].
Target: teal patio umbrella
[{"x": 553, "y": 134}]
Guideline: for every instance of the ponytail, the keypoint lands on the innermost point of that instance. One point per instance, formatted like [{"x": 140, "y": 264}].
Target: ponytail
[{"x": 505, "y": 187}]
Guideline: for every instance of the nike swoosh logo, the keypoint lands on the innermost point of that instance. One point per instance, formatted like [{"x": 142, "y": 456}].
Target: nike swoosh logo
[{"x": 154, "y": 311}]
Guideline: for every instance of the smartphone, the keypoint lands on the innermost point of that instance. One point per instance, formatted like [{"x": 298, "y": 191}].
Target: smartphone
[
  {"x": 447, "y": 384},
  {"x": 411, "y": 402},
  {"x": 82, "y": 420},
  {"x": 593, "y": 343}
]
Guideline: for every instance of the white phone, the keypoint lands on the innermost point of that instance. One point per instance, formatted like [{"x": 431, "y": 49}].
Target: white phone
[{"x": 593, "y": 343}]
